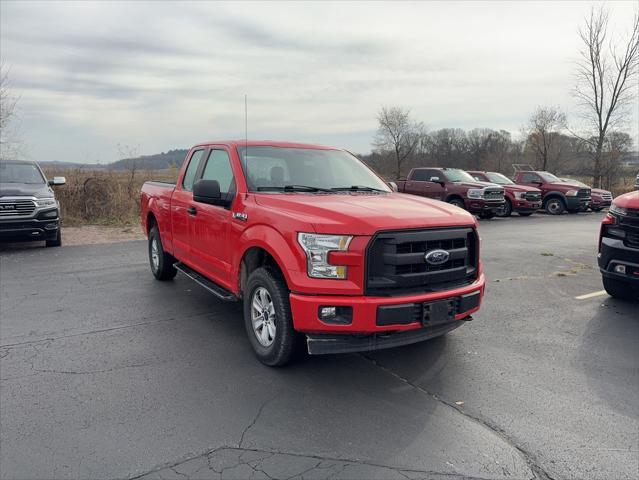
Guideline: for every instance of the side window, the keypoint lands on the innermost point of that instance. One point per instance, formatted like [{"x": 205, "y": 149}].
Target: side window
[
  {"x": 432, "y": 173},
  {"x": 191, "y": 170},
  {"x": 218, "y": 167},
  {"x": 529, "y": 178},
  {"x": 419, "y": 175}
]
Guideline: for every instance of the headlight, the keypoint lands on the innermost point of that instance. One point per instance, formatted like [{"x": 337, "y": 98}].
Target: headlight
[
  {"x": 520, "y": 195},
  {"x": 617, "y": 210},
  {"x": 317, "y": 248},
  {"x": 572, "y": 193},
  {"x": 475, "y": 193},
  {"x": 46, "y": 202}
]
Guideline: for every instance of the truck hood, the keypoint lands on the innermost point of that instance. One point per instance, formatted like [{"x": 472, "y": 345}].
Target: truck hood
[
  {"x": 564, "y": 186},
  {"x": 477, "y": 184},
  {"x": 365, "y": 214},
  {"x": 628, "y": 200},
  {"x": 520, "y": 188},
  {"x": 39, "y": 190}
]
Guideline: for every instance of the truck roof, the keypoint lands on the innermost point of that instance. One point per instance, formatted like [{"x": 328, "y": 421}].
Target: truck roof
[{"x": 265, "y": 143}]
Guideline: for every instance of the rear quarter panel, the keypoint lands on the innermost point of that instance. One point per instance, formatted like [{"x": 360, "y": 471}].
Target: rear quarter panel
[{"x": 155, "y": 203}]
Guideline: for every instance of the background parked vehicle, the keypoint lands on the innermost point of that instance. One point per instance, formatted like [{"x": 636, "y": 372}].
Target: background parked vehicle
[
  {"x": 619, "y": 247},
  {"x": 599, "y": 198},
  {"x": 519, "y": 198},
  {"x": 314, "y": 243},
  {"x": 557, "y": 196},
  {"x": 456, "y": 187},
  {"x": 28, "y": 208},
  {"x": 637, "y": 182}
]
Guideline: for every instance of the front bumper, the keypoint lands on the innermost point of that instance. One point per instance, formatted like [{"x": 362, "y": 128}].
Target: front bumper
[
  {"x": 596, "y": 203},
  {"x": 526, "y": 205},
  {"x": 30, "y": 229},
  {"x": 577, "y": 203},
  {"x": 613, "y": 252},
  {"x": 478, "y": 205},
  {"x": 376, "y": 317}
]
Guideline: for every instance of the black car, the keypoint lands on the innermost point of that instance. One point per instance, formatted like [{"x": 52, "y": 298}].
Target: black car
[{"x": 28, "y": 208}]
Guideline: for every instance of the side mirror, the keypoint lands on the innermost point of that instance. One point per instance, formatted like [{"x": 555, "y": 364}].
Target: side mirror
[
  {"x": 58, "y": 181},
  {"x": 435, "y": 180},
  {"x": 393, "y": 186},
  {"x": 207, "y": 191}
]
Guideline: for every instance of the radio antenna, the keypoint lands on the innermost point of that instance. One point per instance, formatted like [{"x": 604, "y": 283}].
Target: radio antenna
[{"x": 245, "y": 126}]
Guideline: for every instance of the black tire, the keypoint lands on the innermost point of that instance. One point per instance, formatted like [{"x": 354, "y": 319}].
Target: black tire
[
  {"x": 487, "y": 215},
  {"x": 554, "y": 206},
  {"x": 163, "y": 268},
  {"x": 285, "y": 342},
  {"x": 525, "y": 214},
  {"x": 618, "y": 289},
  {"x": 458, "y": 202},
  {"x": 506, "y": 210},
  {"x": 57, "y": 241}
]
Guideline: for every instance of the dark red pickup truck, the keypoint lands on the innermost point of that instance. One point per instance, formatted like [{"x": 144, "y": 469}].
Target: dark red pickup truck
[
  {"x": 519, "y": 198},
  {"x": 456, "y": 187},
  {"x": 556, "y": 196},
  {"x": 315, "y": 245}
]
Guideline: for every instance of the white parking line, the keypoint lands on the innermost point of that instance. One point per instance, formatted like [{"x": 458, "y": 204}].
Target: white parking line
[{"x": 590, "y": 295}]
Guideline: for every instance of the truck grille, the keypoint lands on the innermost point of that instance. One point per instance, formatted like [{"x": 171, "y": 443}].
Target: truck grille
[
  {"x": 16, "y": 208},
  {"x": 632, "y": 239},
  {"x": 630, "y": 224},
  {"x": 584, "y": 193},
  {"x": 606, "y": 196},
  {"x": 493, "y": 194},
  {"x": 533, "y": 196},
  {"x": 396, "y": 261}
]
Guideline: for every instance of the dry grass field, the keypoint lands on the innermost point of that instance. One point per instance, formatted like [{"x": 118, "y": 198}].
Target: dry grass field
[{"x": 103, "y": 197}]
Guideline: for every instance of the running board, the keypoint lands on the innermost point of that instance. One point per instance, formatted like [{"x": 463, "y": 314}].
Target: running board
[{"x": 220, "y": 292}]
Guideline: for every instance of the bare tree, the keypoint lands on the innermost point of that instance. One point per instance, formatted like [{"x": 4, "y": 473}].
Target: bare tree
[
  {"x": 399, "y": 134},
  {"x": 544, "y": 128},
  {"x": 606, "y": 79},
  {"x": 7, "y": 111}
]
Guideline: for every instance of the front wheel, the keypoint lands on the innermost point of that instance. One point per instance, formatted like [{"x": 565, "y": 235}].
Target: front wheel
[
  {"x": 555, "y": 206},
  {"x": 57, "y": 241},
  {"x": 268, "y": 319},
  {"x": 458, "y": 202},
  {"x": 619, "y": 289},
  {"x": 161, "y": 262},
  {"x": 505, "y": 210}
]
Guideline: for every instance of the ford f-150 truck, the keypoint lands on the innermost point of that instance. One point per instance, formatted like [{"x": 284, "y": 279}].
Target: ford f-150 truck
[
  {"x": 28, "y": 208},
  {"x": 556, "y": 196},
  {"x": 619, "y": 247},
  {"x": 519, "y": 198},
  {"x": 456, "y": 187},
  {"x": 315, "y": 245}
]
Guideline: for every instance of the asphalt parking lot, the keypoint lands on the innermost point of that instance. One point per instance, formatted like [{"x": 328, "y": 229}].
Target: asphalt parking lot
[{"x": 107, "y": 373}]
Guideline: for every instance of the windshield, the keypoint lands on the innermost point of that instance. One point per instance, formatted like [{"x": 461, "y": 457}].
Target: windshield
[
  {"x": 499, "y": 178},
  {"x": 549, "y": 177},
  {"x": 306, "y": 169},
  {"x": 14, "y": 172},
  {"x": 457, "y": 175}
]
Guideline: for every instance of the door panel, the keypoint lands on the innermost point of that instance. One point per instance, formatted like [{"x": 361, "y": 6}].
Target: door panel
[{"x": 181, "y": 201}]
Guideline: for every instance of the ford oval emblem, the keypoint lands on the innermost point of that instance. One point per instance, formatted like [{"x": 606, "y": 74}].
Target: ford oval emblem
[{"x": 437, "y": 257}]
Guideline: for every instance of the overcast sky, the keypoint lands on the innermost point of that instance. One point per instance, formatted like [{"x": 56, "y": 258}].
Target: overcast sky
[{"x": 163, "y": 75}]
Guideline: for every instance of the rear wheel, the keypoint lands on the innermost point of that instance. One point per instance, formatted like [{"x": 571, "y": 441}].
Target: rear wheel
[
  {"x": 161, "y": 262},
  {"x": 57, "y": 241},
  {"x": 555, "y": 206},
  {"x": 506, "y": 210},
  {"x": 619, "y": 289},
  {"x": 268, "y": 319}
]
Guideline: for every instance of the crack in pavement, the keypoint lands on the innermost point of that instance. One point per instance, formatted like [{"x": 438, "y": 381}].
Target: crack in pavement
[
  {"x": 236, "y": 461},
  {"x": 538, "y": 471},
  {"x": 255, "y": 419}
]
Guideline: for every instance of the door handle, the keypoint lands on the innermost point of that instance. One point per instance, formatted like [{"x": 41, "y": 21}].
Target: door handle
[{"x": 192, "y": 210}]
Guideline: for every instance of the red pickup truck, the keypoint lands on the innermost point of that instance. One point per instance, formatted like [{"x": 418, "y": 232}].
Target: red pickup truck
[
  {"x": 315, "y": 245},
  {"x": 456, "y": 187},
  {"x": 519, "y": 198},
  {"x": 556, "y": 196},
  {"x": 619, "y": 247}
]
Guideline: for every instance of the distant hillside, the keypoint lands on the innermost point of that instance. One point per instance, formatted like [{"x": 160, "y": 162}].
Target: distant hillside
[{"x": 158, "y": 161}]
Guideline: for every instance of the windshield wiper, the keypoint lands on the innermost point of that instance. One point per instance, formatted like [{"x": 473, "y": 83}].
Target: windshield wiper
[
  {"x": 357, "y": 188},
  {"x": 293, "y": 188}
]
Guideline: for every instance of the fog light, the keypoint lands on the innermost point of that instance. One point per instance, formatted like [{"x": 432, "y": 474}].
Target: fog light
[
  {"x": 327, "y": 312},
  {"x": 620, "y": 269},
  {"x": 336, "y": 315}
]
